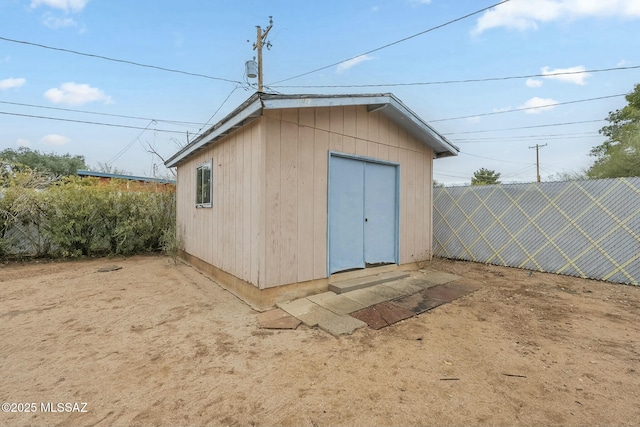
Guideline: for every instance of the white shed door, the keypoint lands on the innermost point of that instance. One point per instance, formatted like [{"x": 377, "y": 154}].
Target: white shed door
[{"x": 363, "y": 209}]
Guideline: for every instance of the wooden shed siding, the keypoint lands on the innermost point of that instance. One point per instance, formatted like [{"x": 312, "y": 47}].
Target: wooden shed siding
[
  {"x": 320, "y": 194},
  {"x": 305, "y": 214},
  {"x": 268, "y": 221},
  {"x": 228, "y": 234},
  {"x": 296, "y": 185}
]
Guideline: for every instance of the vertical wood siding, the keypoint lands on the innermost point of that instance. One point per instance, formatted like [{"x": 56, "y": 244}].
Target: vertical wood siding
[
  {"x": 268, "y": 223},
  {"x": 227, "y": 235},
  {"x": 297, "y": 145}
]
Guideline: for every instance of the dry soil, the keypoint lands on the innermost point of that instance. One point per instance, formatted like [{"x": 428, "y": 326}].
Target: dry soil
[{"x": 160, "y": 344}]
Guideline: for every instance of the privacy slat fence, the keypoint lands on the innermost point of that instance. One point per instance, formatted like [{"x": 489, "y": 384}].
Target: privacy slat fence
[{"x": 588, "y": 229}]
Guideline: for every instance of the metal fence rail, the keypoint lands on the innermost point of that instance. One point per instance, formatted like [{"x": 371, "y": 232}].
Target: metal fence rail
[{"x": 589, "y": 229}]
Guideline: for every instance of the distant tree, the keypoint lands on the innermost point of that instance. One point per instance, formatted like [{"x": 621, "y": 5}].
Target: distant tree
[
  {"x": 569, "y": 176},
  {"x": 485, "y": 177},
  {"x": 107, "y": 168},
  {"x": 619, "y": 155},
  {"x": 437, "y": 184},
  {"x": 51, "y": 164}
]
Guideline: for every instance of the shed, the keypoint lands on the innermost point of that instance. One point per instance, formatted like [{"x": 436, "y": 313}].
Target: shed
[{"x": 288, "y": 192}]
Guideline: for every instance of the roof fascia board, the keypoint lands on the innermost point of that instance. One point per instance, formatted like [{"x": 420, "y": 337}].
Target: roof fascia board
[
  {"x": 373, "y": 103},
  {"x": 331, "y": 101},
  {"x": 424, "y": 127},
  {"x": 380, "y": 102},
  {"x": 252, "y": 109}
]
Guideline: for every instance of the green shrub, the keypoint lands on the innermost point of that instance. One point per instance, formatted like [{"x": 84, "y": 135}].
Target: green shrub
[{"x": 82, "y": 217}]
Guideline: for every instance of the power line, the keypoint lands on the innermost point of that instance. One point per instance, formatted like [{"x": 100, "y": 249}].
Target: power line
[
  {"x": 443, "y": 82},
  {"x": 393, "y": 43},
  {"x": 88, "y": 122},
  {"x": 216, "y": 112},
  {"x": 450, "y": 176},
  {"x": 129, "y": 145},
  {"x": 176, "y": 122},
  {"x": 529, "y": 138},
  {"x": 541, "y": 136},
  {"x": 526, "y": 127},
  {"x": 517, "y": 172},
  {"x": 530, "y": 108},
  {"x": 123, "y": 61},
  {"x": 491, "y": 158}
]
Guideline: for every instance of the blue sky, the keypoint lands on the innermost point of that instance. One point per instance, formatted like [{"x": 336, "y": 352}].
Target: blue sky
[{"x": 518, "y": 38}]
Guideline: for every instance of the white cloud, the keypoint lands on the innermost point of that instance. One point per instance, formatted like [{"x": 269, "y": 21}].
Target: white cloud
[
  {"x": 53, "y": 139},
  {"x": 76, "y": 94},
  {"x": 23, "y": 143},
  {"x": 623, "y": 63},
  {"x": 55, "y": 23},
  {"x": 11, "y": 83},
  {"x": 66, "y": 5},
  {"x": 578, "y": 77},
  {"x": 534, "y": 83},
  {"x": 418, "y": 2},
  {"x": 343, "y": 66},
  {"x": 527, "y": 14},
  {"x": 501, "y": 110},
  {"x": 539, "y": 105}
]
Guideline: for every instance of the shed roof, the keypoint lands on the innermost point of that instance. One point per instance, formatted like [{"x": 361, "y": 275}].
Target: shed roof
[{"x": 253, "y": 108}]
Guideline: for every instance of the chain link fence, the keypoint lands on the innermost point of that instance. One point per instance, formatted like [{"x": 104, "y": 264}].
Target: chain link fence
[{"x": 588, "y": 229}]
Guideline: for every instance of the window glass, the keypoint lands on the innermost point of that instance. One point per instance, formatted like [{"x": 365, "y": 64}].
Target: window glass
[{"x": 203, "y": 185}]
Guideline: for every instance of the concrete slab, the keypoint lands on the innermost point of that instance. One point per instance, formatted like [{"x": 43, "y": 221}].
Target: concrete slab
[
  {"x": 316, "y": 316},
  {"x": 277, "y": 319},
  {"x": 439, "y": 277},
  {"x": 378, "y": 306},
  {"x": 297, "y": 307},
  {"x": 419, "y": 282},
  {"x": 365, "y": 297},
  {"x": 308, "y": 312},
  {"x": 312, "y": 314},
  {"x": 364, "y": 282},
  {"x": 387, "y": 292},
  {"x": 340, "y": 325},
  {"x": 339, "y": 304},
  {"x": 404, "y": 286}
]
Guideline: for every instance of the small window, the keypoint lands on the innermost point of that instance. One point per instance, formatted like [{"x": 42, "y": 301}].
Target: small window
[{"x": 203, "y": 185}]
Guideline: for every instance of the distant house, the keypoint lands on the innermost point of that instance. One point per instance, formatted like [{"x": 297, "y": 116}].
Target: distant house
[
  {"x": 288, "y": 192},
  {"x": 138, "y": 183}
]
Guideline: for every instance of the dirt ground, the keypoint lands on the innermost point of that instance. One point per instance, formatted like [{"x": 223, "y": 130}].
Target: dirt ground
[{"x": 158, "y": 344}]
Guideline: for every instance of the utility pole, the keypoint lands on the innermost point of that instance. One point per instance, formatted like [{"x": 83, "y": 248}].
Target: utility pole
[
  {"x": 261, "y": 40},
  {"x": 538, "y": 147}
]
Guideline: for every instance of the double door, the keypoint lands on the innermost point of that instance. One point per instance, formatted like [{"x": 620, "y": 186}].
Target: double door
[{"x": 363, "y": 213}]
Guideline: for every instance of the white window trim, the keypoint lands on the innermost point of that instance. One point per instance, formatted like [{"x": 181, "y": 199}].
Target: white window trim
[{"x": 209, "y": 164}]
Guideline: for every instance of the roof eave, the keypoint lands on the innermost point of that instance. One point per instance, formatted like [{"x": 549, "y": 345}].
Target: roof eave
[
  {"x": 235, "y": 120},
  {"x": 387, "y": 104},
  {"x": 420, "y": 129}
]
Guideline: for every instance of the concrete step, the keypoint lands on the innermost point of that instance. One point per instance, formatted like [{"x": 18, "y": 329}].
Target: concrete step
[{"x": 365, "y": 282}]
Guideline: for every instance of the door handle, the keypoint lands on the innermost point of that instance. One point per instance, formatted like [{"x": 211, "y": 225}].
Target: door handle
[{"x": 366, "y": 219}]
